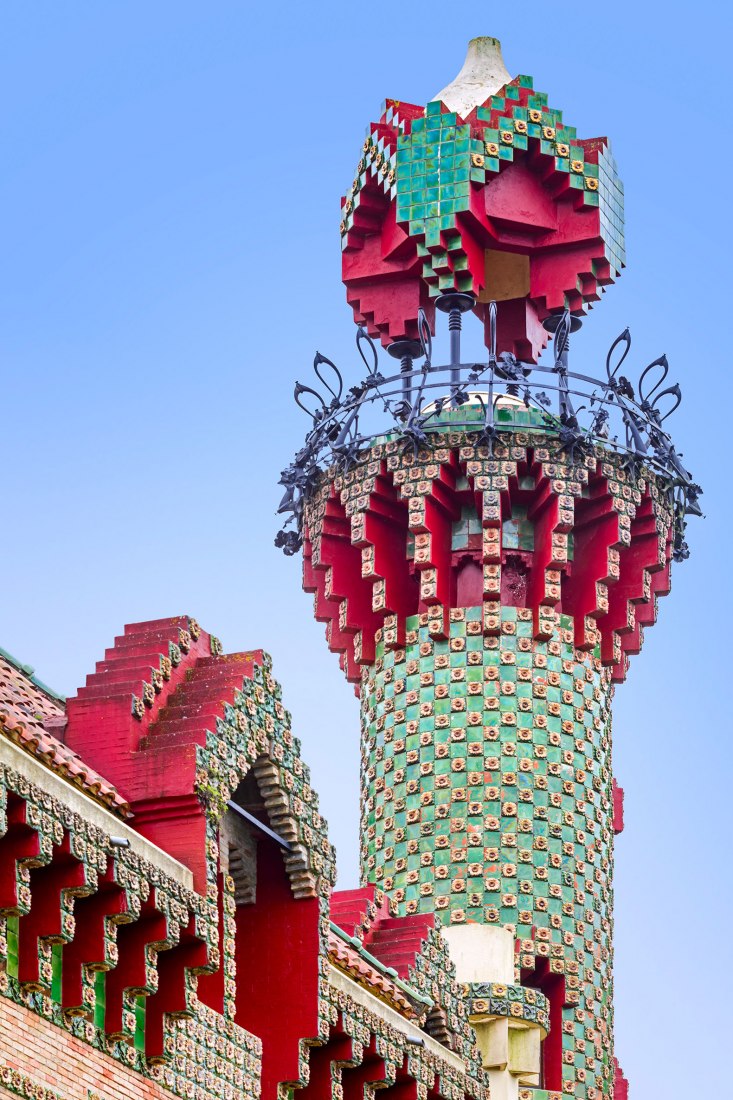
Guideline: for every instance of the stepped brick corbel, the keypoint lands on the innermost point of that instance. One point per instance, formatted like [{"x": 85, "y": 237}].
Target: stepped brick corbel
[
  {"x": 435, "y": 532},
  {"x": 93, "y": 948},
  {"x": 63, "y": 879},
  {"x": 324, "y": 1064}
]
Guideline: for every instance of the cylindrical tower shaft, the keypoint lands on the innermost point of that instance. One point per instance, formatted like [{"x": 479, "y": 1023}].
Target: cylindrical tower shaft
[
  {"x": 484, "y": 600},
  {"x": 486, "y": 569},
  {"x": 486, "y": 797}
]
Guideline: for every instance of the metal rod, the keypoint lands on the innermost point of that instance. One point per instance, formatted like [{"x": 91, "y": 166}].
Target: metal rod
[
  {"x": 259, "y": 825},
  {"x": 455, "y": 304},
  {"x": 455, "y": 324},
  {"x": 406, "y": 351},
  {"x": 406, "y": 369}
]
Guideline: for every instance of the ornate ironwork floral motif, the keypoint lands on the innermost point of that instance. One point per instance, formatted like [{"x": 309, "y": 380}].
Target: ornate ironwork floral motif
[{"x": 422, "y": 401}]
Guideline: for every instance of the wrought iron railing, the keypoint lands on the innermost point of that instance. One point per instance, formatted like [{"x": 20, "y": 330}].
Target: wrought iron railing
[{"x": 423, "y": 401}]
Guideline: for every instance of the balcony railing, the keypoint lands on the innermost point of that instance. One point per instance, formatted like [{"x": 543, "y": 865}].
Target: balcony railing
[{"x": 422, "y": 401}]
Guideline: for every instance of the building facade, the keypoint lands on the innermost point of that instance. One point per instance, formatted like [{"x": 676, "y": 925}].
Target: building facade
[
  {"x": 485, "y": 558},
  {"x": 185, "y": 939},
  {"x": 486, "y": 542}
]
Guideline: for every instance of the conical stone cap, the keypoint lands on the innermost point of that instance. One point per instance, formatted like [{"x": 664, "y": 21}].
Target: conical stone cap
[{"x": 482, "y": 75}]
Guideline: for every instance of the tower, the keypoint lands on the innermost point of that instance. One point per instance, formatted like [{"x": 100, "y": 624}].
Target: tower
[{"x": 486, "y": 543}]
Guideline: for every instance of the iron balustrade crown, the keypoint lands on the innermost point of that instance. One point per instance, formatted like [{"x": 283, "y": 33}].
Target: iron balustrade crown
[{"x": 425, "y": 401}]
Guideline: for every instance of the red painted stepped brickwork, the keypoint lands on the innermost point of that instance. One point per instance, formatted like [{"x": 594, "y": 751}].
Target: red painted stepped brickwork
[
  {"x": 620, "y": 1084},
  {"x": 378, "y": 545},
  {"x": 350, "y": 909},
  {"x": 397, "y": 941},
  {"x": 367, "y": 914},
  {"x": 143, "y": 713}
]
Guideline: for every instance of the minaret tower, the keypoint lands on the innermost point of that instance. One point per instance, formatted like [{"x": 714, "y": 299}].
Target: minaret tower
[{"x": 486, "y": 542}]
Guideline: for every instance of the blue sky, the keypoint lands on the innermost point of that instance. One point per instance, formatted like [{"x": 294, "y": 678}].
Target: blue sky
[{"x": 171, "y": 184}]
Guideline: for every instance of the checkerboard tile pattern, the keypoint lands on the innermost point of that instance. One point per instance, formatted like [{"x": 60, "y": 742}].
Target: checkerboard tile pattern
[{"x": 486, "y": 791}]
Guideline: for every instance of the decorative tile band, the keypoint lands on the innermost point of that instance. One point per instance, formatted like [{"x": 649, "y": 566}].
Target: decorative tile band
[
  {"x": 495, "y": 999},
  {"x": 14, "y": 1080}
]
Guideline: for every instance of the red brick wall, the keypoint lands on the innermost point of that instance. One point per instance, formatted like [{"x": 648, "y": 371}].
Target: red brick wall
[{"x": 55, "y": 1060}]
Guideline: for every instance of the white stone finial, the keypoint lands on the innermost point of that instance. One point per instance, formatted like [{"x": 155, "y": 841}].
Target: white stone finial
[{"x": 482, "y": 75}]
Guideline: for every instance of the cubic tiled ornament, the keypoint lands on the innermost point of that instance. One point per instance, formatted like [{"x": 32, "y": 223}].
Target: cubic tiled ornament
[
  {"x": 504, "y": 202},
  {"x": 486, "y": 560}
]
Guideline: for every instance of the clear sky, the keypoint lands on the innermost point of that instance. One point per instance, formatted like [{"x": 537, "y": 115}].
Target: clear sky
[{"x": 170, "y": 207}]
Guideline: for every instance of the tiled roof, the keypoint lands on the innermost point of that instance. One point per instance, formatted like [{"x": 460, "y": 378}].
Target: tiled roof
[
  {"x": 32, "y": 716},
  {"x": 368, "y": 914},
  {"x": 378, "y": 936},
  {"x": 351, "y": 962}
]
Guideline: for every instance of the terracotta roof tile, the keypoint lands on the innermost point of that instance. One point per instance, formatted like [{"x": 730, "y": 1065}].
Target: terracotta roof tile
[
  {"x": 351, "y": 962},
  {"x": 368, "y": 914},
  {"x": 31, "y": 715}
]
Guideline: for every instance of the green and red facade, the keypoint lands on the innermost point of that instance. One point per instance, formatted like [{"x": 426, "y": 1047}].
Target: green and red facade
[
  {"x": 485, "y": 569},
  {"x": 508, "y": 591}
]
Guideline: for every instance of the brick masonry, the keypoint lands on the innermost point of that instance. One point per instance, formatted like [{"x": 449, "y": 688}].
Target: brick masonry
[{"x": 36, "y": 1056}]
